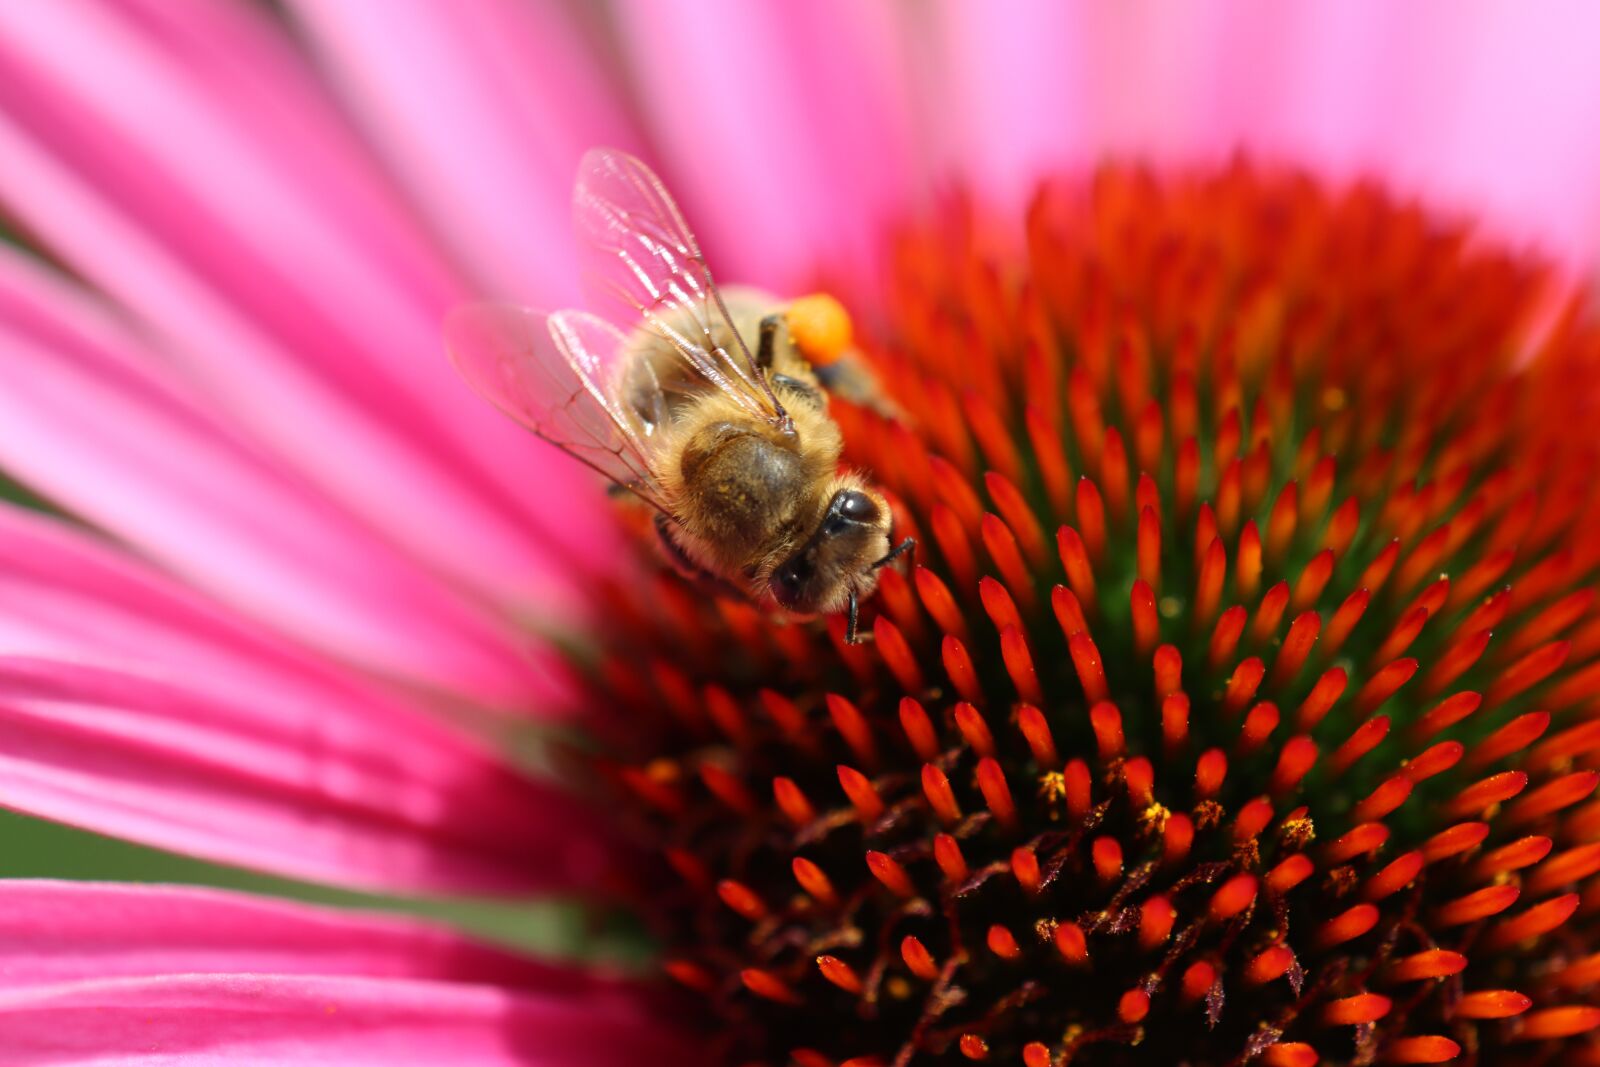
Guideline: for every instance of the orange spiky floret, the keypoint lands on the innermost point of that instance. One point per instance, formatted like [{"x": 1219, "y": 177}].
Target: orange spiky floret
[{"x": 1283, "y": 751}]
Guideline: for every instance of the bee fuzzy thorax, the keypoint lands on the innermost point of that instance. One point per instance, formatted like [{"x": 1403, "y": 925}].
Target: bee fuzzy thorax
[{"x": 741, "y": 495}]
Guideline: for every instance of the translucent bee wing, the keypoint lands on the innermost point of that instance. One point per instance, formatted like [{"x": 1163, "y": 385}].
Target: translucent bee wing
[
  {"x": 558, "y": 375},
  {"x": 638, "y": 252}
]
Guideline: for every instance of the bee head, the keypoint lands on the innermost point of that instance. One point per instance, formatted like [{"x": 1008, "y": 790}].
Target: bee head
[{"x": 839, "y": 557}]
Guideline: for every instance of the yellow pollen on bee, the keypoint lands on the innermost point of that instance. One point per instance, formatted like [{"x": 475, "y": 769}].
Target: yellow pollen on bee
[{"x": 820, "y": 327}]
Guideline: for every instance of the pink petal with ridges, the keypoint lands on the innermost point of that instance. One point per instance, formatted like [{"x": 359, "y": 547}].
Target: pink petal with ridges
[
  {"x": 149, "y": 182},
  {"x": 1003, "y": 92},
  {"x": 261, "y": 1020},
  {"x": 783, "y": 127},
  {"x": 55, "y": 932},
  {"x": 90, "y": 422},
  {"x": 73, "y": 597},
  {"x": 282, "y": 781},
  {"x": 1476, "y": 105},
  {"x": 267, "y": 81},
  {"x": 263, "y": 84},
  {"x": 1498, "y": 119},
  {"x": 1481, "y": 106},
  {"x": 485, "y": 107}
]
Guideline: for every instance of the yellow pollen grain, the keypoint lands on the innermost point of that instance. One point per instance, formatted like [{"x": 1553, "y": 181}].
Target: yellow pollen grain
[
  {"x": 1053, "y": 786},
  {"x": 1297, "y": 833}
]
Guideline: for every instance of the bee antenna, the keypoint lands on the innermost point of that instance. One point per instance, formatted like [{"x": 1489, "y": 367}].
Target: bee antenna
[{"x": 897, "y": 551}]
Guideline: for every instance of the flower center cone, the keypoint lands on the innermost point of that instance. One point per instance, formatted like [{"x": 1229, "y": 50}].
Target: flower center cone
[{"x": 1238, "y": 704}]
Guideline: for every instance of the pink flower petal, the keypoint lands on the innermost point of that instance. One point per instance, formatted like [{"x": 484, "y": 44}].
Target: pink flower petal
[
  {"x": 263, "y": 79},
  {"x": 1481, "y": 106},
  {"x": 783, "y": 127},
  {"x": 1003, "y": 97},
  {"x": 485, "y": 106},
  {"x": 90, "y": 422},
  {"x": 72, "y": 597},
  {"x": 57, "y": 932},
  {"x": 248, "y": 1020},
  {"x": 304, "y": 781},
  {"x": 231, "y": 241},
  {"x": 1496, "y": 116}
]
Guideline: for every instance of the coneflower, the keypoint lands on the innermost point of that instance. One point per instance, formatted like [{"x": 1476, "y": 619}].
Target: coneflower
[{"x": 1237, "y": 706}]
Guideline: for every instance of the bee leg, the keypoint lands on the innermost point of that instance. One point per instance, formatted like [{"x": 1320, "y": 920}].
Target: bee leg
[
  {"x": 675, "y": 555},
  {"x": 768, "y": 339},
  {"x": 850, "y": 635},
  {"x": 631, "y": 491},
  {"x": 808, "y": 393},
  {"x": 898, "y": 550},
  {"x": 688, "y": 569}
]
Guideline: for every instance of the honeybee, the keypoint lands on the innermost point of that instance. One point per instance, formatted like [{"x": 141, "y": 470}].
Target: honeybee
[{"x": 731, "y": 445}]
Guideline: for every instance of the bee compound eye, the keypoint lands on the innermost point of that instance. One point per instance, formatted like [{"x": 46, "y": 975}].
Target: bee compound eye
[
  {"x": 788, "y": 583},
  {"x": 858, "y": 507},
  {"x": 788, "y": 578}
]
